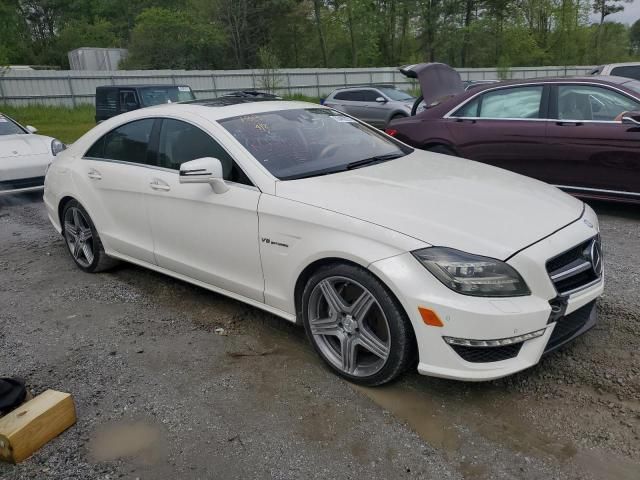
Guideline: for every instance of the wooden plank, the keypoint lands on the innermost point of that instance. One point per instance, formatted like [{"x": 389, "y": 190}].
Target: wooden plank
[{"x": 34, "y": 423}]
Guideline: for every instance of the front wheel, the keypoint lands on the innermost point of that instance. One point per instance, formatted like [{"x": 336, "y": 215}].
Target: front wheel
[{"x": 356, "y": 325}]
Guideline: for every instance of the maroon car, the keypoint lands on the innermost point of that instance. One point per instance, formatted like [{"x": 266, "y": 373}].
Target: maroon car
[{"x": 581, "y": 134}]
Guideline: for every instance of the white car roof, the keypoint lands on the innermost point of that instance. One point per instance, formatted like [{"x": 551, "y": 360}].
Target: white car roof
[{"x": 212, "y": 110}]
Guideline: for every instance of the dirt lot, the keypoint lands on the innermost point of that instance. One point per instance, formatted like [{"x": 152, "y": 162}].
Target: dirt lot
[{"x": 161, "y": 395}]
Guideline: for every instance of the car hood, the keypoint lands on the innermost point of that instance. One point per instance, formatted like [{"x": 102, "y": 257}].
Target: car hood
[
  {"x": 444, "y": 201},
  {"x": 23, "y": 144}
]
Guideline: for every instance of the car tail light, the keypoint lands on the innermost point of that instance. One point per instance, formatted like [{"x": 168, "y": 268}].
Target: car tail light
[{"x": 391, "y": 131}]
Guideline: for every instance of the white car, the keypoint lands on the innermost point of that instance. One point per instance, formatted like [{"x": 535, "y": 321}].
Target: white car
[
  {"x": 24, "y": 157},
  {"x": 386, "y": 254},
  {"x": 628, "y": 70}
]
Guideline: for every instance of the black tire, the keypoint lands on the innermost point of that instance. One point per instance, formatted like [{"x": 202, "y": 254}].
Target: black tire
[
  {"x": 401, "y": 338},
  {"x": 100, "y": 261},
  {"x": 416, "y": 104},
  {"x": 443, "y": 149}
]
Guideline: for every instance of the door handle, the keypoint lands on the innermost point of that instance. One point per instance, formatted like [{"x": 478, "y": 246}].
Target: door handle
[
  {"x": 157, "y": 184},
  {"x": 569, "y": 124},
  {"x": 93, "y": 174}
]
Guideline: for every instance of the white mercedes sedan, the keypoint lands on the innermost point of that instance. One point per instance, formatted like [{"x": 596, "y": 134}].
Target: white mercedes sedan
[
  {"x": 390, "y": 257},
  {"x": 24, "y": 156}
]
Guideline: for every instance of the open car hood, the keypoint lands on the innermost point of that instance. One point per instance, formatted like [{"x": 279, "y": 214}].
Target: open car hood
[{"x": 437, "y": 80}]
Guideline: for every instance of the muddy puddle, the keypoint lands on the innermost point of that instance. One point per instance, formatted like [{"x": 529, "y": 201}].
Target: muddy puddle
[
  {"x": 452, "y": 423},
  {"x": 137, "y": 440}
]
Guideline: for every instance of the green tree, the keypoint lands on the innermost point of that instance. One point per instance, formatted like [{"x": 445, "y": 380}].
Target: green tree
[
  {"x": 167, "y": 39},
  {"x": 634, "y": 37}
]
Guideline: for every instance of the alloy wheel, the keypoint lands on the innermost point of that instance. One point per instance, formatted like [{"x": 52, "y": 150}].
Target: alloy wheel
[
  {"x": 78, "y": 236},
  {"x": 349, "y": 326}
]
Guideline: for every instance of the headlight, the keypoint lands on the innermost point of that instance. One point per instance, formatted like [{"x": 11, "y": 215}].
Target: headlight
[
  {"x": 471, "y": 274},
  {"x": 57, "y": 146}
]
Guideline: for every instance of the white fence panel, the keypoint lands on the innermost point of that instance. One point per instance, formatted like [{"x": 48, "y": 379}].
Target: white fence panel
[{"x": 74, "y": 87}]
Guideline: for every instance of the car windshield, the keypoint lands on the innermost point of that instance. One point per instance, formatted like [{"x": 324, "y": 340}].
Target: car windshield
[
  {"x": 157, "y": 95},
  {"x": 301, "y": 143},
  {"x": 394, "y": 94},
  {"x": 9, "y": 127}
]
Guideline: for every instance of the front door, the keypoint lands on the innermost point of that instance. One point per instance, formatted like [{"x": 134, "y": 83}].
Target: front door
[
  {"x": 589, "y": 145},
  {"x": 206, "y": 236}
]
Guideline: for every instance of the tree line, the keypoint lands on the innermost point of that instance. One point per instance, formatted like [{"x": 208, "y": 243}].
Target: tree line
[{"x": 229, "y": 34}]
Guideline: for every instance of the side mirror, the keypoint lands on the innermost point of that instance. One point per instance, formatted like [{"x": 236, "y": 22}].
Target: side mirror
[
  {"x": 381, "y": 100},
  {"x": 204, "y": 170},
  {"x": 31, "y": 129},
  {"x": 631, "y": 118}
]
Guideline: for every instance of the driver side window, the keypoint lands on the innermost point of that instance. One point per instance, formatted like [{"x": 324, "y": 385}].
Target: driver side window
[
  {"x": 588, "y": 102},
  {"x": 181, "y": 142}
]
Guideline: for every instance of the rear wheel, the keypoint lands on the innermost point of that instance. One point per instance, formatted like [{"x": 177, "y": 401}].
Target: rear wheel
[
  {"x": 82, "y": 239},
  {"x": 356, "y": 326}
]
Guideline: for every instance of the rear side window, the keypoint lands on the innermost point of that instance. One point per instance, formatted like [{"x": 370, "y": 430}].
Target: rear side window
[
  {"x": 107, "y": 100},
  {"x": 628, "y": 71},
  {"x": 519, "y": 102},
  {"x": 350, "y": 95},
  {"x": 469, "y": 109},
  {"x": 181, "y": 142},
  {"x": 128, "y": 143}
]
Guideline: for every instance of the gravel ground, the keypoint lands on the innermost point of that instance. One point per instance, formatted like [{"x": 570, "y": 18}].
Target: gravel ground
[{"x": 161, "y": 394}]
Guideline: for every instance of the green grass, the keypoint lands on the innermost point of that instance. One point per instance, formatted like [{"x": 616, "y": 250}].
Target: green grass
[
  {"x": 65, "y": 124},
  {"x": 303, "y": 98}
]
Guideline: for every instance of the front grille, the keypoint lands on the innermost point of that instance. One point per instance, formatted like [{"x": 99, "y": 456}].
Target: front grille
[
  {"x": 574, "y": 269},
  {"x": 21, "y": 183},
  {"x": 569, "y": 326},
  {"x": 487, "y": 354}
]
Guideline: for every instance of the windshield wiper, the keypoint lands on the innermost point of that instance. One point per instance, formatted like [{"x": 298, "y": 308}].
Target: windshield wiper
[{"x": 373, "y": 160}]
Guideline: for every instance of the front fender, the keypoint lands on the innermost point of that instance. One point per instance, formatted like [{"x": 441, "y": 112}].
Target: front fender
[{"x": 294, "y": 235}]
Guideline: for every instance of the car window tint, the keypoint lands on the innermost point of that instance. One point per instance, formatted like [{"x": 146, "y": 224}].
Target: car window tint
[
  {"x": 369, "y": 95},
  {"x": 587, "y": 102},
  {"x": 127, "y": 143},
  {"x": 519, "y": 102},
  {"x": 181, "y": 142},
  {"x": 97, "y": 149},
  {"x": 629, "y": 71},
  {"x": 350, "y": 96},
  {"x": 469, "y": 109}
]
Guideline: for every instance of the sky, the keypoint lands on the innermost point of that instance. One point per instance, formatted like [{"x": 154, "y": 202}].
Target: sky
[{"x": 630, "y": 14}]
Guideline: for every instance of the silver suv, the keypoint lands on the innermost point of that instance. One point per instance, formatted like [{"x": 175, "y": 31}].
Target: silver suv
[{"x": 376, "y": 105}]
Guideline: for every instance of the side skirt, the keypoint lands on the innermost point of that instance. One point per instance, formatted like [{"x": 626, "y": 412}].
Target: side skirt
[{"x": 198, "y": 283}]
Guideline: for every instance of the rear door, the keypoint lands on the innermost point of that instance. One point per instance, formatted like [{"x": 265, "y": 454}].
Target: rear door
[
  {"x": 589, "y": 145},
  {"x": 114, "y": 183},
  {"x": 505, "y": 127}
]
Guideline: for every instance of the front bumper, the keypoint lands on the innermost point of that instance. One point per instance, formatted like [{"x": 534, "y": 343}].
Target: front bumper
[
  {"x": 24, "y": 185},
  {"x": 466, "y": 317}
]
